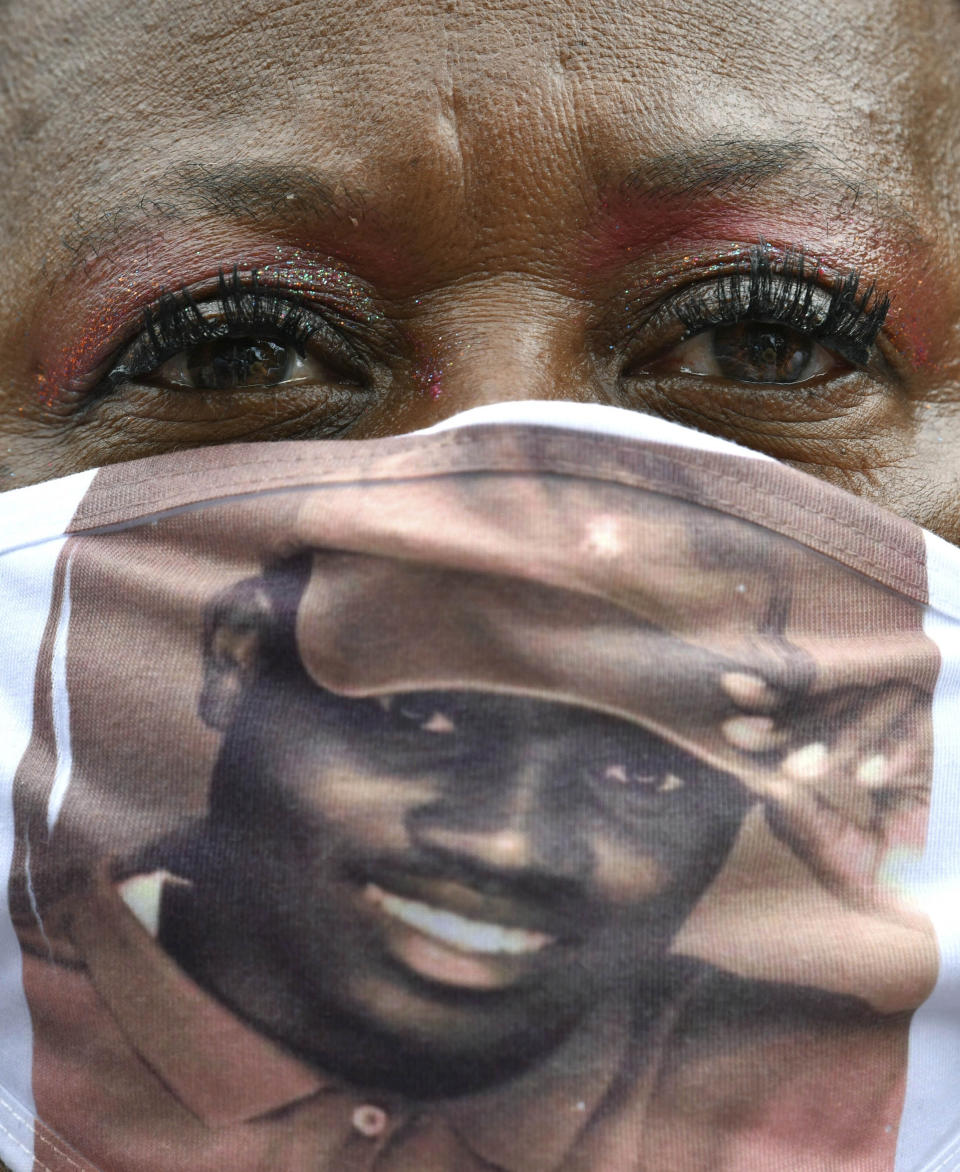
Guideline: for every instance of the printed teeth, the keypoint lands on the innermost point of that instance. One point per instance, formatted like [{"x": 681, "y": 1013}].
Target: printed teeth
[{"x": 456, "y": 931}]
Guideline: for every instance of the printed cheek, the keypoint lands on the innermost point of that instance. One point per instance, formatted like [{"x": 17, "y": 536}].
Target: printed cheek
[{"x": 625, "y": 876}]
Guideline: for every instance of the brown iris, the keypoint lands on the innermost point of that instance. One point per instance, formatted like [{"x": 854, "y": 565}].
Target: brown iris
[
  {"x": 757, "y": 352},
  {"x": 226, "y": 364}
]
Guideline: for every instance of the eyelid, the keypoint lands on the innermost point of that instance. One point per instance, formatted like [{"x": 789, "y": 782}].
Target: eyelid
[
  {"x": 814, "y": 310},
  {"x": 839, "y": 311},
  {"x": 707, "y": 295},
  {"x": 137, "y": 356}
]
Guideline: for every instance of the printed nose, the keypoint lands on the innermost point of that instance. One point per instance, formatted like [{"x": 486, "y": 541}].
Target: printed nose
[
  {"x": 526, "y": 820},
  {"x": 504, "y": 848}
]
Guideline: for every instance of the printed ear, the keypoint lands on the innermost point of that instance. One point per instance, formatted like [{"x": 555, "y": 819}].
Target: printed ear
[{"x": 237, "y": 624}]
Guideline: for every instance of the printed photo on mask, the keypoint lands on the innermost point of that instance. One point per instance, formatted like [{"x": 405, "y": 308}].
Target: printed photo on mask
[{"x": 376, "y": 827}]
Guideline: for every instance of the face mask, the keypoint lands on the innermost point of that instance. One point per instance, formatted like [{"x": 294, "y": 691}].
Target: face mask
[{"x": 560, "y": 789}]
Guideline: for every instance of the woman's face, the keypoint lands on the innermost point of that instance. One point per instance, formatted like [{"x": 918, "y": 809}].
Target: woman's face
[{"x": 253, "y": 220}]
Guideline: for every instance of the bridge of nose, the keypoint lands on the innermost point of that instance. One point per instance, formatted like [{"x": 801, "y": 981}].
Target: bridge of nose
[
  {"x": 497, "y": 338},
  {"x": 518, "y": 810}
]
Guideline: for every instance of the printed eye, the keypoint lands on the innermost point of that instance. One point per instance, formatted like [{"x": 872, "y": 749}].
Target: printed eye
[
  {"x": 641, "y": 779},
  {"x": 752, "y": 352},
  {"x": 420, "y": 712},
  {"x": 438, "y": 722}
]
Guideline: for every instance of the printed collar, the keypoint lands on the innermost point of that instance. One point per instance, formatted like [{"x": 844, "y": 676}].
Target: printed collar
[{"x": 226, "y": 1073}]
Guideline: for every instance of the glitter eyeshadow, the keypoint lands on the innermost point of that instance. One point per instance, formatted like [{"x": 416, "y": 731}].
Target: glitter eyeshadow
[
  {"x": 428, "y": 371},
  {"x": 293, "y": 271},
  {"x": 303, "y": 278}
]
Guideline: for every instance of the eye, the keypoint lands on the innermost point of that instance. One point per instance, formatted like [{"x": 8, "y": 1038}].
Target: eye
[
  {"x": 752, "y": 352},
  {"x": 228, "y": 364},
  {"x": 250, "y": 336},
  {"x": 641, "y": 778},
  {"x": 773, "y": 321}
]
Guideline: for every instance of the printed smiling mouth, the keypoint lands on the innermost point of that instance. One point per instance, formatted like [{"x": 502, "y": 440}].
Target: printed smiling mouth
[{"x": 455, "y": 931}]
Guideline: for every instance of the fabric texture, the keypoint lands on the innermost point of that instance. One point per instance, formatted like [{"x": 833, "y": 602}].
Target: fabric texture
[{"x": 510, "y": 797}]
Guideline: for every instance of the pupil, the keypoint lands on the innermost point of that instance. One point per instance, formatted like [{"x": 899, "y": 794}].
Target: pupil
[
  {"x": 755, "y": 352},
  {"x": 228, "y": 363}
]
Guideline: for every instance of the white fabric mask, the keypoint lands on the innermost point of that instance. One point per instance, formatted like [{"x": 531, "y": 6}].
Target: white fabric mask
[{"x": 559, "y": 788}]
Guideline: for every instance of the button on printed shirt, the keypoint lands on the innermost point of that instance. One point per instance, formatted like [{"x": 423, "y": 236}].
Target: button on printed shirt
[{"x": 370, "y": 1121}]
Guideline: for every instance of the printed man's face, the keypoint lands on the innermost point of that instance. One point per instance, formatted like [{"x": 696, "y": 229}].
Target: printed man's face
[{"x": 446, "y": 882}]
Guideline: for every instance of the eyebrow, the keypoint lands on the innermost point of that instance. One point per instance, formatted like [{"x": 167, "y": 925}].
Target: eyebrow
[
  {"x": 717, "y": 166},
  {"x": 723, "y": 166},
  {"x": 259, "y": 192},
  {"x": 281, "y": 194},
  {"x": 262, "y": 191}
]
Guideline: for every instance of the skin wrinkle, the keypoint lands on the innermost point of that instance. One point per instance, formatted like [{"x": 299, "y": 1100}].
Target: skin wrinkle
[
  {"x": 482, "y": 149},
  {"x": 261, "y": 191}
]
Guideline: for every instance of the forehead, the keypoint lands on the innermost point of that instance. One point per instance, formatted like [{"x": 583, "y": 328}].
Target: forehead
[
  {"x": 502, "y": 126},
  {"x": 245, "y": 57}
]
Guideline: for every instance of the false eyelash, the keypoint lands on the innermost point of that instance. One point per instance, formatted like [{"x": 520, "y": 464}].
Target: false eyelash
[
  {"x": 177, "y": 323},
  {"x": 783, "y": 290}
]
